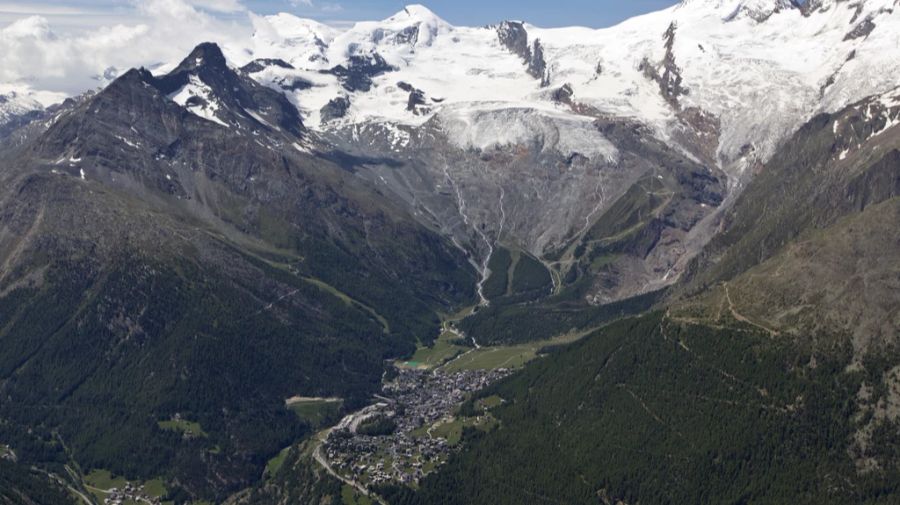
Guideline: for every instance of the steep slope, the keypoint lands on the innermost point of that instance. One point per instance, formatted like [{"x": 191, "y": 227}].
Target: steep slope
[
  {"x": 542, "y": 186},
  {"x": 810, "y": 245},
  {"x": 839, "y": 283},
  {"x": 170, "y": 248},
  {"x": 710, "y": 80}
]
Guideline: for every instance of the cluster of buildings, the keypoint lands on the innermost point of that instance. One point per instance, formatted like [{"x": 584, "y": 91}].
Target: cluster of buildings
[
  {"x": 414, "y": 401},
  {"x": 128, "y": 494}
]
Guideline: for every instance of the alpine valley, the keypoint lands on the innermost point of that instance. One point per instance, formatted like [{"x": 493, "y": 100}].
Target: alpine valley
[{"x": 406, "y": 262}]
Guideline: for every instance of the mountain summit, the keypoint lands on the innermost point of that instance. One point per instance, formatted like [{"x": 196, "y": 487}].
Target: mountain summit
[
  {"x": 205, "y": 85},
  {"x": 417, "y": 13}
]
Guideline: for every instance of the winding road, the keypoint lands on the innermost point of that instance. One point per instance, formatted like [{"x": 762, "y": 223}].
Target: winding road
[{"x": 323, "y": 461}]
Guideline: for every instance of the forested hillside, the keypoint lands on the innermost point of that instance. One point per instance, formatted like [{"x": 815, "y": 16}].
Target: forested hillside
[{"x": 653, "y": 410}]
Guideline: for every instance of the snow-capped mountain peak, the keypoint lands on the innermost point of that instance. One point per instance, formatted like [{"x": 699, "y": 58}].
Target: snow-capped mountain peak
[
  {"x": 295, "y": 29},
  {"x": 413, "y": 27},
  {"x": 14, "y": 105},
  {"x": 416, "y": 13},
  {"x": 759, "y": 67},
  {"x": 19, "y": 104},
  {"x": 13, "y": 102},
  {"x": 302, "y": 42},
  {"x": 198, "y": 81},
  {"x": 206, "y": 86}
]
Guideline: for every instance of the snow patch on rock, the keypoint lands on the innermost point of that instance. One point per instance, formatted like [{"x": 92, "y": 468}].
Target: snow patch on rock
[{"x": 199, "y": 99}]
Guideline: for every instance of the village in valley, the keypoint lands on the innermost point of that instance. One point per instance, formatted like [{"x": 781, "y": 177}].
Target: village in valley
[
  {"x": 130, "y": 494},
  {"x": 417, "y": 422},
  {"x": 412, "y": 429},
  {"x": 110, "y": 489}
]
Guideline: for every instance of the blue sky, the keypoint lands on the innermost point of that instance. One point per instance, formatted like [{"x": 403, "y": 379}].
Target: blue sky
[{"x": 594, "y": 13}]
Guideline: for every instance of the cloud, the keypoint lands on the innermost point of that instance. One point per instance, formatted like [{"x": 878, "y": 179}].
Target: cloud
[
  {"x": 71, "y": 50},
  {"x": 157, "y": 31},
  {"x": 35, "y": 8}
]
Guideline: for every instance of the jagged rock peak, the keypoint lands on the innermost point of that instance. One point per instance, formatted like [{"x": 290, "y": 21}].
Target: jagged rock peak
[
  {"x": 132, "y": 77},
  {"x": 514, "y": 36},
  {"x": 207, "y": 54}
]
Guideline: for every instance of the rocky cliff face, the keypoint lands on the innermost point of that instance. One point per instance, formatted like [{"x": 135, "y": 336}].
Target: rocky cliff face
[{"x": 514, "y": 36}]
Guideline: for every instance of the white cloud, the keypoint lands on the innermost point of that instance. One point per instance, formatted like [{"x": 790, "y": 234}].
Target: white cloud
[
  {"x": 41, "y": 9},
  {"x": 62, "y": 49},
  {"x": 157, "y": 31}
]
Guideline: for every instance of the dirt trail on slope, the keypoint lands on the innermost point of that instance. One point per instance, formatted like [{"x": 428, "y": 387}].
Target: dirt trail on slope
[{"x": 743, "y": 319}]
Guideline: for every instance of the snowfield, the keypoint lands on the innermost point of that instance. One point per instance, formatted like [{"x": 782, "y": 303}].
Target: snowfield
[{"x": 760, "y": 67}]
